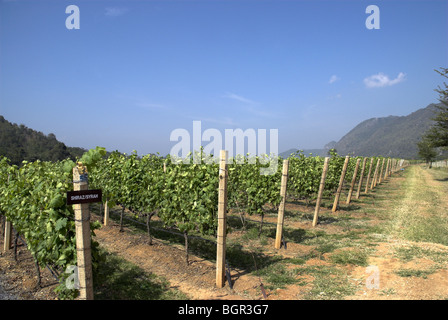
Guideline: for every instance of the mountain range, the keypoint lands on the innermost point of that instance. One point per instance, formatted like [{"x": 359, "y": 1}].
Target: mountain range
[{"x": 392, "y": 136}]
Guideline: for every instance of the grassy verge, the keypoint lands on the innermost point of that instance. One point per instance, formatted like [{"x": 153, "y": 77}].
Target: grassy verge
[
  {"x": 419, "y": 214},
  {"x": 330, "y": 283}
]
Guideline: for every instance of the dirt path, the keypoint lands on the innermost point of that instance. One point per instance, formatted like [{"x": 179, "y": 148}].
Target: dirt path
[
  {"x": 196, "y": 280},
  {"x": 422, "y": 201}
]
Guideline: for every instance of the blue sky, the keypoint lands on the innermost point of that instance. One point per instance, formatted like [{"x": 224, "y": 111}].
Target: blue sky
[{"x": 137, "y": 70}]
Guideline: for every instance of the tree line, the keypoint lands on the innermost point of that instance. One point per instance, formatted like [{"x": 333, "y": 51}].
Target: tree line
[
  {"x": 436, "y": 138},
  {"x": 18, "y": 143}
]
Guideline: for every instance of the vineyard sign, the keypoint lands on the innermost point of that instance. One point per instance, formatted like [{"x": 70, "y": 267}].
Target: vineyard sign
[{"x": 84, "y": 196}]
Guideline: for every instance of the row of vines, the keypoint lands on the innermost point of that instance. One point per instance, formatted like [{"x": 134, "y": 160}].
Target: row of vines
[
  {"x": 33, "y": 199},
  {"x": 183, "y": 195}
]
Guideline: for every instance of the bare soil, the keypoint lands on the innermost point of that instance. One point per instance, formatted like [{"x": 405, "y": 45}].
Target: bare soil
[{"x": 18, "y": 279}]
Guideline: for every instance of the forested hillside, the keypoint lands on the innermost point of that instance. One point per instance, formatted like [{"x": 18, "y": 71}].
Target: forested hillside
[
  {"x": 392, "y": 136},
  {"x": 18, "y": 142}
]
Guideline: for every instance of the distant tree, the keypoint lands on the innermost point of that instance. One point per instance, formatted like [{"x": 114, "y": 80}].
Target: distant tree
[
  {"x": 426, "y": 151},
  {"x": 437, "y": 135},
  {"x": 332, "y": 152}
]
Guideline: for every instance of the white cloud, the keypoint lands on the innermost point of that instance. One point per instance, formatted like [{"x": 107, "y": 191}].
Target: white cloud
[
  {"x": 337, "y": 96},
  {"x": 251, "y": 107},
  {"x": 261, "y": 113},
  {"x": 238, "y": 98},
  {"x": 225, "y": 120},
  {"x": 115, "y": 11},
  {"x": 333, "y": 79},
  {"x": 146, "y": 105},
  {"x": 382, "y": 80},
  {"x": 140, "y": 102}
]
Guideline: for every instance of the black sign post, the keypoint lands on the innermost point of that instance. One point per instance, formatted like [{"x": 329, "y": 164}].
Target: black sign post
[{"x": 84, "y": 196}]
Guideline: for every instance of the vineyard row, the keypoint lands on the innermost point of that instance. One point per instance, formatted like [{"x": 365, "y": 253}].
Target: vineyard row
[{"x": 187, "y": 197}]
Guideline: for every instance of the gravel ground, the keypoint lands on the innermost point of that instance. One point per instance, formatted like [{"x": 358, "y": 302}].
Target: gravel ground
[{"x": 4, "y": 295}]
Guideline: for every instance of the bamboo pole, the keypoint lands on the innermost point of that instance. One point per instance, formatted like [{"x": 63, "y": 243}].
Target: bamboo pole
[
  {"x": 361, "y": 178},
  {"x": 83, "y": 240},
  {"x": 281, "y": 208},
  {"x": 222, "y": 208},
  {"x": 368, "y": 176},
  {"x": 321, "y": 190},
  {"x": 341, "y": 183},
  {"x": 352, "y": 185}
]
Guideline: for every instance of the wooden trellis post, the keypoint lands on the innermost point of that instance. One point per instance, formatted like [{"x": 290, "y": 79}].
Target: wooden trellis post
[
  {"x": 368, "y": 176},
  {"x": 106, "y": 212},
  {"x": 380, "y": 178},
  {"x": 83, "y": 241},
  {"x": 352, "y": 185},
  {"x": 341, "y": 183},
  {"x": 361, "y": 178},
  {"x": 222, "y": 208},
  {"x": 375, "y": 175},
  {"x": 281, "y": 208},
  {"x": 8, "y": 236},
  {"x": 321, "y": 191},
  {"x": 8, "y": 233},
  {"x": 386, "y": 172}
]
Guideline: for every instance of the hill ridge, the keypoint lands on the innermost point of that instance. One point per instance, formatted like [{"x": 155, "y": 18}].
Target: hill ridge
[{"x": 389, "y": 136}]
